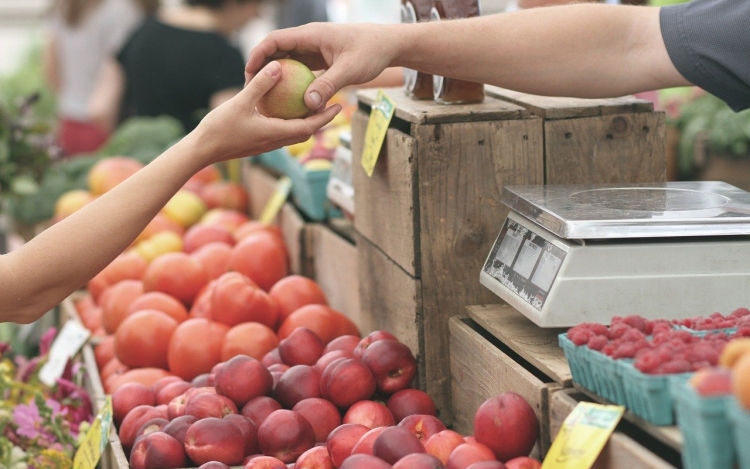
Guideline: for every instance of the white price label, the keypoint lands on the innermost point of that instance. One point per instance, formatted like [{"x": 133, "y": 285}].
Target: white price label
[{"x": 67, "y": 343}]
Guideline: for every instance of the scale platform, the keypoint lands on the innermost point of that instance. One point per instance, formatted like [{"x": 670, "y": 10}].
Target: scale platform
[{"x": 586, "y": 253}]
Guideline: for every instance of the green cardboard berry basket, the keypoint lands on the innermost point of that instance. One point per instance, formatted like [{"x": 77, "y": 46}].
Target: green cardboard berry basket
[
  {"x": 704, "y": 422},
  {"x": 739, "y": 419}
]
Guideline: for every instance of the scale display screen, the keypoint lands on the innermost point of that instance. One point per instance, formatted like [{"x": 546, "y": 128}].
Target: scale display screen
[{"x": 525, "y": 263}]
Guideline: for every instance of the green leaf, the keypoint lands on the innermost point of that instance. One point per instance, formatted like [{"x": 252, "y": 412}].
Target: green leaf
[
  {"x": 4, "y": 151},
  {"x": 24, "y": 185}
]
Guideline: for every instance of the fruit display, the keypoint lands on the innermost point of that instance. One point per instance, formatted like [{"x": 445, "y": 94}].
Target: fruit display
[{"x": 308, "y": 403}]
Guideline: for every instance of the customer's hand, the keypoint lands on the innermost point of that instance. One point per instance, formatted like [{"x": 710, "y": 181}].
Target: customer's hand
[
  {"x": 350, "y": 54},
  {"x": 236, "y": 129}
]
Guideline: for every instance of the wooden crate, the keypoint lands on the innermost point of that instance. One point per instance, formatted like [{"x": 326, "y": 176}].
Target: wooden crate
[
  {"x": 431, "y": 210},
  {"x": 621, "y": 451},
  {"x": 481, "y": 369}
]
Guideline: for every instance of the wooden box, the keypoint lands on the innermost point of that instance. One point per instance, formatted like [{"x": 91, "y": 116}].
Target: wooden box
[{"x": 429, "y": 214}]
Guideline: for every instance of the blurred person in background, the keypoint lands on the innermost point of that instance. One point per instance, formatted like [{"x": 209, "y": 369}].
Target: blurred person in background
[
  {"x": 82, "y": 34},
  {"x": 293, "y": 13},
  {"x": 179, "y": 63}
]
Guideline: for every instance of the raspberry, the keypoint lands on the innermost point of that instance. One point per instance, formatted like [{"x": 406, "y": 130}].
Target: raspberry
[
  {"x": 744, "y": 332},
  {"x": 625, "y": 350},
  {"x": 636, "y": 321},
  {"x": 699, "y": 365},
  {"x": 618, "y": 330},
  {"x": 608, "y": 349},
  {"x": 633, "y": 335},
  {"x": 703, "y": 352},
  {"x": 740, "y": 312},
  {"x": 642, "y": 344},
  {"x": 600, "y": 329},
  {"x": 677, "y": 365},
  {"x": 684, "y": 336},
  {"x": 597, "y": 342},
  {"x": 580, "y": 335},
  {"x": 647, "y": 362}
]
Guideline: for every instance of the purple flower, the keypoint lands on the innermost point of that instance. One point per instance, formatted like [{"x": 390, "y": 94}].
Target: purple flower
[
  {"x": 28, "y": 421},
  {"x": 45, "y": 342},
  {"x": 4, "y": 348}
]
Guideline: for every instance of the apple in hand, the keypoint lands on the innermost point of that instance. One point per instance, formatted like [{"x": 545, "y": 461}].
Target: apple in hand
[{"x": 286, "y": 100}]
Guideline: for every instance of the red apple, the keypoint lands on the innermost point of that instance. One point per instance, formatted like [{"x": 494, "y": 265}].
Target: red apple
[
  {"x": 467, "y": 454},
  {"x": 210, "y": 405},
  {"x": 249, "y": 431},
  {"x": 423, "y": 426},
  {"x": 133, "y": 422},
  {"x": 342, "y": 440},
  {"x": 523, "y": 463},
  {"x": 264, "y": 462},
  {"x": 285, "y": 435},
  {"x": 178, "y": 427},
  {"x": 442, "y": 444},
  {"x": 392, "y": 364},
  {"x": 129, "y": 396},
  {"x": 322, "y": 415},
  {"x": 394, "y": 443},
  {"x": 419, "y": 461},
  {"x": 346, "y": 343},
  {"x": 157, "y": 450},
  {"x": 371, "y": 414},
  {"x": 507, "y": 425},
  {"x": 301, "y": 347},
  {"x": 243, "y": 378},
  {"x": 366, "y": 442},
  {"x": 349, "y": 381},
  {"x": 213, "y": 439},
  {"x": 297, "y": 383},
  {"x": 487, "y": 465},
  {"x": 171, "y": 390},
  {"x": 314, "y": 458},
  {"x": 370, "y": 339},
  {"x": 410, "y": 402},
  {"x": 364, "y": 461},
  {"x": 259, "y": 408}
]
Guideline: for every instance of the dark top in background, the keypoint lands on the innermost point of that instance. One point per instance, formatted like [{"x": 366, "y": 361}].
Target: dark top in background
[{"x": 175, "y": 71}]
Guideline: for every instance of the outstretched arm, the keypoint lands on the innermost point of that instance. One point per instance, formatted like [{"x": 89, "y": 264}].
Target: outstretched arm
[
  {"x": 583, "y": 50},
  {"x": 60, "y": 260}
]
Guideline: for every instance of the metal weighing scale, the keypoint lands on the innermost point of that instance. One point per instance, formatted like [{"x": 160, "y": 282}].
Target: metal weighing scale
[{"x": 584, "y": 253}]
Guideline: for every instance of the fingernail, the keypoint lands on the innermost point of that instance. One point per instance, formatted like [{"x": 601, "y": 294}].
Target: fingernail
[
  {"x": 273, "y": 69},
  {"x": 315, "y": 98}
]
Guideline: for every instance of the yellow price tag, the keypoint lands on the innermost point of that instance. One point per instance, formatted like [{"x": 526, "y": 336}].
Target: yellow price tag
[
  {"x": 274, "y": 204},
  {"x": 95, "y": 440},
  {"x": 380, "y": 116},
  {"x": 583, "y": 436}
]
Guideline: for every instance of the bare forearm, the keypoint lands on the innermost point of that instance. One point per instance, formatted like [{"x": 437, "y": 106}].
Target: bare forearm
[
  {"x": 64, "y": 257},
  {"x": 583, "y": 50}
]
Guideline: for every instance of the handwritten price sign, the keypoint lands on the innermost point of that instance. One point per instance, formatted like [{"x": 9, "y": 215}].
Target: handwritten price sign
[{"x": 380, "y": 117}]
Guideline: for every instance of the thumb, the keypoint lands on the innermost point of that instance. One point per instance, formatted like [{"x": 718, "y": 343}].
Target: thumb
[
  {"x": 325, "y": 86},
  {"x": 262, "y": 82}
]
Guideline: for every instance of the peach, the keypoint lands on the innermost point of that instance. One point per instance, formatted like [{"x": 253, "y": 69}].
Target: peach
[
  {"x": 345, "y": 343},
  {"x": 157, "y": 450},
  {"x": 370, "y": 339},
  {"x": 214, "y": 465},
  {"x": 418, "y": 461},
  {"x": 178, "y": 427},
  {"x": 198, "y": 236},
  {"x": 349, "y": 381},
  {"x": 176, "y": 407},
  {"x": 487, "y": 465},
  {"x": 506, "y": 424},
  {"x": 133, "y": 422},
  {"x": 342, "y": 440},
  {"x": 423, "y": 426},
  {"x": 297, "y": 383},
  {"x": 249, "y": 431},
  {"x": 522, "y": 463},
  {"x": 215, "y": 259},
  {"x": 366, "y": 442},
  {"x": 392, "y": 364},
  {"x": 265, "y": 462},
  {"x": 224, "y": 194},
  {"x": 467, "y": 454},
  {"x": 259, "y": 408},
  {"x": 394, "y": 443},
  {"x": 271, "y": 358},
  {"x": 129, "y": 396},
  {"x": 109, "y": 172},
  {"x": 70, "y": 202},
  {"x": 154, "y": 425},
  {"x": 203, "y": 380},
  {"x": 280, "y": 367},
  {"x": 409, "y": 402},
  {"x": 329, "y": 358},
  {"x": 213, "y": 439},
  {"x": 301, "y": 347},
  {"x": 210, "y": 405},
  {"x": 442, "y": 444},
  {"x": 172, "y": 390},
  {"x": 285, "y": 435},
  {"x": 242, "y": 379},
  {"x": 371, "y": 414},
  {"x": 322, "y": 415},
  {"x": 364, "y": 461},
  {"x": 162, "y": 382},
  {"x": 314, "y": 458},
  {"x": 286, "y": 100}
]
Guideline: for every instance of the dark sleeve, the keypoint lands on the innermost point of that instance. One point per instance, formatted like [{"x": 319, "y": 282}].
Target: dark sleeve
[
  {"x": 709, "y": 44},
  {"x": 227, "y": 70}
]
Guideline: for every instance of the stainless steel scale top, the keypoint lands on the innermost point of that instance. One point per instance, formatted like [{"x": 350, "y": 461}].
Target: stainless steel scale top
[{"x": 655, "y": 210}]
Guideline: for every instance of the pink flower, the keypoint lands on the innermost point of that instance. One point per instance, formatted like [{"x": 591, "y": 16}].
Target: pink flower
[
  {"x": 45, "y": 342},
  {"x": 28, "y": 421}
]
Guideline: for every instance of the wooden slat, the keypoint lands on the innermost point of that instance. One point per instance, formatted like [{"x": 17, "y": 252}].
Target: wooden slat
[
  {"x": 390, "y": 299},
  {"x": 462, "y": 170},
  {"x": 551, "y": 107},
  {"x": 538, "y": 346},
  {"x": 620, "y": 452},
  {"x": 335, "y": 267},
  {"x": 292, "y": 227},
  {"x": 607, "y": 149},
  {"x": 386, "y": 201},
  {"x": 260, "y": 186},
  {"x": 429, "y": 112},
  {"x": 480, "y": 371}
]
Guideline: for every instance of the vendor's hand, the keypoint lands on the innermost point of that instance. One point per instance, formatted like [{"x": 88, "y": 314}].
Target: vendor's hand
[
  {"x": 236, "y": 129},
  {"x": 349, "y": 54}
]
